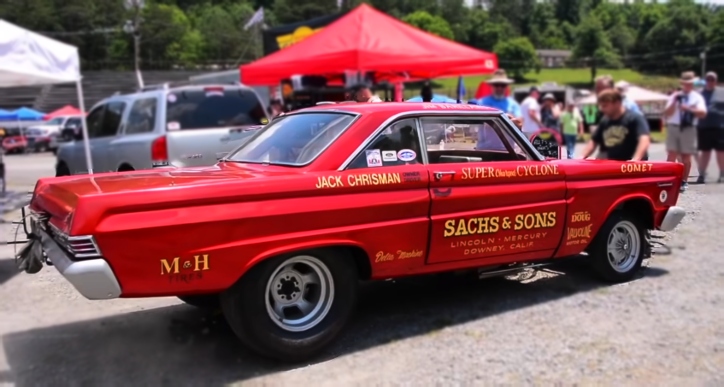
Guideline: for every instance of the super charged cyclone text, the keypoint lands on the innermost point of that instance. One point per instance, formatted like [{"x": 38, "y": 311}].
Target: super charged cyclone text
[{"x": 493, "y": 224}]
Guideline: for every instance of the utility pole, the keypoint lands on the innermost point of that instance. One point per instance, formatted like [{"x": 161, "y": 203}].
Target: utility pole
[
  {"x": 703, "y": 61},
  {"x": 133, "y": 27}
]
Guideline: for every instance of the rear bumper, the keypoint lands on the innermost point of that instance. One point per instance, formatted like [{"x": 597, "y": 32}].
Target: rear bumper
[
  {"x": 93, "y": 278},
  {"x": 673, "y": 217}
]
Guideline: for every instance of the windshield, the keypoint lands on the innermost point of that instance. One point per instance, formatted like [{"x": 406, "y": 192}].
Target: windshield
[
  {"x": 55, "y": 121},
  {"x": 213, "y": 107},
  {"x": 294, "y": 140}
]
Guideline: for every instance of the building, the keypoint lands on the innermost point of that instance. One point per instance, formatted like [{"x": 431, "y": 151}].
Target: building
[{"x": 553, "y": 58}]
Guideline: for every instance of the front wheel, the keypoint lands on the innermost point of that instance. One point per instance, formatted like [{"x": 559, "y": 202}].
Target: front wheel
[
  {"x": 290, "y": 307},
  {"x": 618, "y": 250}
]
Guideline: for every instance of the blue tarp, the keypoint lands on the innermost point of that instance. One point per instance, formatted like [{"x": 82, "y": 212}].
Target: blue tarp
[
  {"x": 22, "y": 114},
  {"x": 435, "y": 98}
]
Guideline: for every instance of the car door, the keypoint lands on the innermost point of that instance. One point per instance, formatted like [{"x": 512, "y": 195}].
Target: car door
[
  {"x": 75, "y": 151},
  {"x": 491, "y": 198},
  {"x": 131, "y": 149},
  {"x": 390, "y": 182},
  {"x": 102, "y": 154}
]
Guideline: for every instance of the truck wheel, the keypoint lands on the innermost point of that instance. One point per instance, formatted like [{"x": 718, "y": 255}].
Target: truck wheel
[
  {"x": 290, "y": 307},
  {"x": 62, "y": 170},
  {"x": 618, "y": 249},
  {"x": 203, "y": 301}
]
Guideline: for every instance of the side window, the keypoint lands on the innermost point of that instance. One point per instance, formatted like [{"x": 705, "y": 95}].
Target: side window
[
  {"x": 398, "y": 144},
  {"x": 111, "y": 120},
  {"x": 142, "y": 117},
  {"x": 94, "y": 121},
  {"x": 464, "y": 139}
]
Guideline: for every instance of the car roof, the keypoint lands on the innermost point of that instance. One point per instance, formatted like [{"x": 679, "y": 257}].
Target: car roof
[
  {"x": 401, "y": 107},
  {"x": 162, "y": 91}
]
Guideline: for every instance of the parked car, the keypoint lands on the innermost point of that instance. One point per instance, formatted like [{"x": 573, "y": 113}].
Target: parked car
[
  {"x": 281, "y": 230},
  {"x": 179, "y": 126},
  {"x": 45, "y": 136},
  {"x": 14, "y": 144}
]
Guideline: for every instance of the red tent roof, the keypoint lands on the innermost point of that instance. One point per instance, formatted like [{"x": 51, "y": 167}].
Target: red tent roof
[
  {"x": 366, "y": 39},
  {"x": 66, "y": 110}
]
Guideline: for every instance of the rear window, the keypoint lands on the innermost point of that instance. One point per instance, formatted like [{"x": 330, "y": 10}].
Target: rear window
[{"x": 213, "y": 107}]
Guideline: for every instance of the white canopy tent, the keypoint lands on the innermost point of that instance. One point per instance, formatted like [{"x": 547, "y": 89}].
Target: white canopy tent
[
  {"x": 637, "y": 94},
  {"x": 30, "y": 59}
]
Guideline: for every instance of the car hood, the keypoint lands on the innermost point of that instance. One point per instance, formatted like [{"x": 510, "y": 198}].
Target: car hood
[{"x": 61, "y": 197}]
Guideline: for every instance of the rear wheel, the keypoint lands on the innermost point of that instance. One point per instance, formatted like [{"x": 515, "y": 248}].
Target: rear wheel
[
  {"x": 62, "y": 170},
  {"x": 202, "y": 301},
  {"x": 290, "y": 307},
  {"x": 618, "y": 250}
]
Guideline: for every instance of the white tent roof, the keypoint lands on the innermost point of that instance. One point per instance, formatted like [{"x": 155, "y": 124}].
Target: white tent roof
[
  {"x": 637, "y": 94},
  {"x": 27, "y": 58}
]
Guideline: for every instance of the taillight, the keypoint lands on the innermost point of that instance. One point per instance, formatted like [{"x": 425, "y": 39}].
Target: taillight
[{"x": 159, "y": 152}]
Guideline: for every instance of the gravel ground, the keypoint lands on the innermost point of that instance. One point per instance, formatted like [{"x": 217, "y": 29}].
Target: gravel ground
[{"x": 558, "y": 327}]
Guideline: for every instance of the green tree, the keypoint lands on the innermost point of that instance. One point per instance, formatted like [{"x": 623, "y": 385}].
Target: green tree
[
  {"x": 677, "y": 39},
  {"x": 433, "y": 24},
  {"x": 292, "y": 11},
  {"x": 167, "y": 37},
  {"x": 221, "y": 28},
  {"x": 593, "y": 47},
  {"x": 517, "y": 56},
  {"x": 484, "y": 33}
]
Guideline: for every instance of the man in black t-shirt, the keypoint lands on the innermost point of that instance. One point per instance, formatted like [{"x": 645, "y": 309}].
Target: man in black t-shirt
[{"x": 622, "y": 134}]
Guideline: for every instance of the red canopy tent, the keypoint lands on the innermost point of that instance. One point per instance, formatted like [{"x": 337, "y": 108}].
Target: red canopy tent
[
  {"x": 66, "y": 110},
  {"x": 365, "y": 40}
]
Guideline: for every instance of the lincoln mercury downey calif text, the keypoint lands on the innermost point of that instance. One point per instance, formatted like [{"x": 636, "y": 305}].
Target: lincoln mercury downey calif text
[{"x": 280, "y": 232}]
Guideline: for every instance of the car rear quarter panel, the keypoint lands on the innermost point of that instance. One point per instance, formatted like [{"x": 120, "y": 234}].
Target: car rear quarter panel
[
  {"x": 596, "y": 189},
  {"x": 236, "y": 225}
]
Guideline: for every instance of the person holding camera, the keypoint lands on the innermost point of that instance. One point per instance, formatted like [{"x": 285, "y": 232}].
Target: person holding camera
[{"x": 682, "y": 112}]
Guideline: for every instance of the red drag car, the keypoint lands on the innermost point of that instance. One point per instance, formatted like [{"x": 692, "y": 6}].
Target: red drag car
[{"x": 281, "y": 230}]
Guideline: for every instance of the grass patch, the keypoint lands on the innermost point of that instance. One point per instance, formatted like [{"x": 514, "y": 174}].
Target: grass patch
[{"x": 575, "y": 77}]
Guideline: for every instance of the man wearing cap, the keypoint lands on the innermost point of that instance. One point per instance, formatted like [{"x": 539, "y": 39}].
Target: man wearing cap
[
  {"x": 682, "y": 113},
  {"x": 530, "y": 110},
  {"x": 710, "y": 130},
  {"x": 630, "y": 104},
  {"x": 550, "y": 112},
  {"x": 498, "y": 99}
]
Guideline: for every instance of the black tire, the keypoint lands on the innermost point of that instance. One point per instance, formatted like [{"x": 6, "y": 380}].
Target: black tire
[
  {"x": 55, "y": 151},
  {"x": 62, "y": 170},
  {"x": 202, "y": 301},
  {"x": 630, "y": 230},
  {"x": 245, "y": 306}
]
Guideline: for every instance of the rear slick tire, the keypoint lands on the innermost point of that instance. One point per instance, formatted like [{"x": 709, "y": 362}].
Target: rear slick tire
[
  {"x": 618, "y": 249},
  {"x": 291, "y": 307},
  {"x": 203, "y": 301}
]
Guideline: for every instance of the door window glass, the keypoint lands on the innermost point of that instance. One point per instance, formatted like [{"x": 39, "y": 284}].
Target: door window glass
[
  {"x": 462, "y": 139},
  {"x": 112, "y": 119},
  {"x": 94, "y": 121},
  {"x": 142, "y": 117},
  {"x": 398, "y": 144}
]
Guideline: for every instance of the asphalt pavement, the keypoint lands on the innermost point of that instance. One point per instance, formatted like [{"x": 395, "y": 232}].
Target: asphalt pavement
[{"x": 557, "y": 327}]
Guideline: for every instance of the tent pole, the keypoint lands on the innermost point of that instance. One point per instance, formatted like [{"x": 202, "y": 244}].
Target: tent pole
[{"x": 84, "y": 126}]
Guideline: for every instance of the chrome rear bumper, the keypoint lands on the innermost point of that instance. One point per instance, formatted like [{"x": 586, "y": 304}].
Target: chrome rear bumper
[
  {"x": 673, "y": 217},
  {"x": 93, "y": 278}
]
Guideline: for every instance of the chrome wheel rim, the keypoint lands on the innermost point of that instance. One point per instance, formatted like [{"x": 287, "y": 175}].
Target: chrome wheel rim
[
  {"x": 299, "y": 293},
  {"x": 624, "y": 246}
]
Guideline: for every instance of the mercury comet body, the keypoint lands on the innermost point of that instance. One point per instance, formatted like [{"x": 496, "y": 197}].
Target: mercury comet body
[{"x": 280, "y": 231}]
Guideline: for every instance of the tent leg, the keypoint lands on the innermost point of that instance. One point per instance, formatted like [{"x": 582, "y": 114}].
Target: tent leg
[{"x": 84, "y": 126}]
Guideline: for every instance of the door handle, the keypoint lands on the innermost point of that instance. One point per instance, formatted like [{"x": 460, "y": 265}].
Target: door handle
[{"x": 440, "y": 174}]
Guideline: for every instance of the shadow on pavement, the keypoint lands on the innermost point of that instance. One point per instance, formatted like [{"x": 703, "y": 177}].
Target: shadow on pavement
[
  {"x": 8, "y": 270},
  {"x": 181, "y": 345}
]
